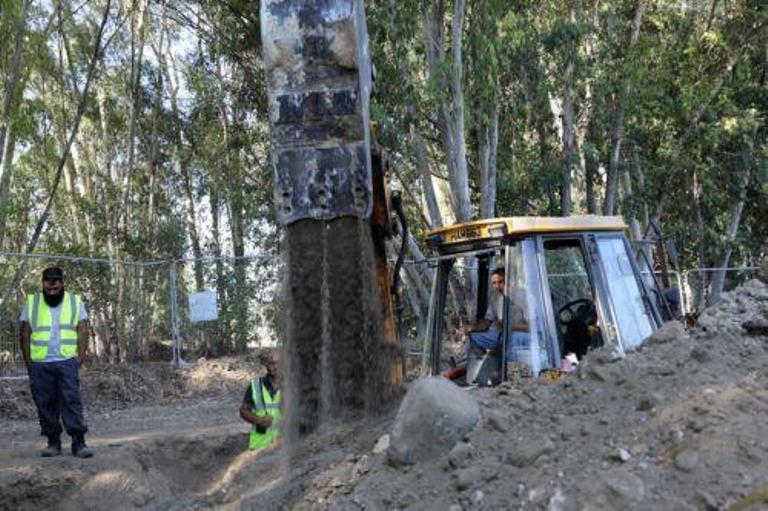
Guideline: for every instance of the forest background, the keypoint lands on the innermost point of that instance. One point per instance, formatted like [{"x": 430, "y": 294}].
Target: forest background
[{"x": 138, "y": 130}]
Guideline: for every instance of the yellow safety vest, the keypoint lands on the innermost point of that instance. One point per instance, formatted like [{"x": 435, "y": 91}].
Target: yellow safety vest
[
  {"x": 41, "y": 319},
  {"x": 265, "y": 404}
]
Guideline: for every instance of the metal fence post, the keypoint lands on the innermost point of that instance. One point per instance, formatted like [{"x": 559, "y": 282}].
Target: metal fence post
[
  {"x": 176, "y": 360},
  {"x": 683, "y": 307}
]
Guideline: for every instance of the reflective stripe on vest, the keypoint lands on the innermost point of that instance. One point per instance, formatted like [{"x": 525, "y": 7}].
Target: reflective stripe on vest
[
  {"x": 41, "y": 319},
  {"x": 265, "y": 404}
]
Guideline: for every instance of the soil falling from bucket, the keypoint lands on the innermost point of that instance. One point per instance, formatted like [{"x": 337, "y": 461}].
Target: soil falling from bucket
[{"x": 338, "y": 364}]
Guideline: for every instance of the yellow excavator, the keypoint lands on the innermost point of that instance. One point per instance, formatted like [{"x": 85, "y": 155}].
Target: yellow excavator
[
  {"x": 581, "y": 285},
  {"x": 574, "y": 283}
]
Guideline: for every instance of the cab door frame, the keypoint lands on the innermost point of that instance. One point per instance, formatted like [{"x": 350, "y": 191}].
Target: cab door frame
[
  {"x": 650, "y": 309},
  {"x": 605, "y": 313}
]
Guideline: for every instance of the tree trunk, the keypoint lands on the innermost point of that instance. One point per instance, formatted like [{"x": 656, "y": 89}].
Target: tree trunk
[
  {"x": 451, "y": 115},
  {"x": 617, "y": 125},
  {"x": 221, "y": 288},
  {"x": 70, "y": 176},
  {"x": 7, "y": 137},
  {"x": 734, "y": 219},
  {"x": 717, "y": 281},
  {"x": 701, "y": 290},
  {"x": 569, "y": 139},
  {"x": 5, "y": 179},
  {"x": 591, "y": 168},
  {"x": 541, "y": 131},
  {"x": 583, "y": 182},
  {"x": 15, "y": 76},
  {"x": 419, "y": 273},
  {"x": 422, "y": 163},
  {"x": 630, "y": 203},
  {"x": 460, "y": 181},
  {"x": 489, "y": 144},
  {"x": 134, "y": 79},
  {"x": 182, "y": 160},
  {"x": 417, "y": 306},
  {"x": 612, "y": 174},
  {"x": 192, "y": 223}
]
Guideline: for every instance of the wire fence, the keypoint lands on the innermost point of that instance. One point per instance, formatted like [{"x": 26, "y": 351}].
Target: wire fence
[
  {"x": 179, "y": 310},
  {"x": 172, "y": 311},
  {"x": 703, "y": 286}
]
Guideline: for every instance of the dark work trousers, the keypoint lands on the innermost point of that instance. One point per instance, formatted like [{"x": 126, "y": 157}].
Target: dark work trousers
[{"x": 56, "y": 391}]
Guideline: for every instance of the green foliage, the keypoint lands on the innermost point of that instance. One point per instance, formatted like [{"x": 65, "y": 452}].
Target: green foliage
[{"x": 693, "y": 88}]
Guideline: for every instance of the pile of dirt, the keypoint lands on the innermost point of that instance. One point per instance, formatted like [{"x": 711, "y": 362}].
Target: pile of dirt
[
  {"x": 117, "y": 386},
  {"x": 149, "y": 474},
  {"x": 16, "y": 400},
  {"x": 679, "y": 424}
]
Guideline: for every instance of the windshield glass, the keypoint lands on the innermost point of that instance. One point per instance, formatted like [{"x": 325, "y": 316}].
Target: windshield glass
[
  {"x": 526, "y": 343},
  {"x": 573, "y": 300},
  {"x": 632, "y": 318}
]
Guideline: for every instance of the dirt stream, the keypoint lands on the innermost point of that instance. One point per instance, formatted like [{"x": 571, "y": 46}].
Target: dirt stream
[{"x": 680, "y": 424}]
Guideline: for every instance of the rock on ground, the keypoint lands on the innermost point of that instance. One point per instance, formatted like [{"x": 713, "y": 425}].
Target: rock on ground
[{"x": 433, "y": 417}]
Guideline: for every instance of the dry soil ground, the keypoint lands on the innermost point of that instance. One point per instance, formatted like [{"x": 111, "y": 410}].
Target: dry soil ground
[
  {"x": 164, "y": 439},
  {"x": 680, "y": 424}
]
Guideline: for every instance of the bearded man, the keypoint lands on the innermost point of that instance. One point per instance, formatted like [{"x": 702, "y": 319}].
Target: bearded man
[{"x": 54, "y": 342}]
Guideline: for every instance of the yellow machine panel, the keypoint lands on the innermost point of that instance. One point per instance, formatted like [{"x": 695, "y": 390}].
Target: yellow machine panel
[{"x": 498, "y": 228}]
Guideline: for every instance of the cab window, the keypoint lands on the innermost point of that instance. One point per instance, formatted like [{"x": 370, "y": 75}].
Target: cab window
[
  {"x": 631, "y": 314},
  {"x": 572, "y": 295}
]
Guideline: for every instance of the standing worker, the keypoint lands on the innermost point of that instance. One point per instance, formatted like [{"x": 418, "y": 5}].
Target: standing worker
[
  {"x": 54, "y": 342},
  {"x": 262, "y": 402}
]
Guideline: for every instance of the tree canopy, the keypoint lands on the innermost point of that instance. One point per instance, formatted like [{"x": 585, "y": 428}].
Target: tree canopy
[{"x": 137, "y": 129}]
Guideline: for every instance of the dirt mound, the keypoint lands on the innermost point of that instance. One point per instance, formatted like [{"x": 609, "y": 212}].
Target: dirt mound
[
  {"x": 116, "y": 386},
  {"x": 154, "y": 474},
  {"x": 680, "y": 424},
  {"x": 16, "y": 400}
]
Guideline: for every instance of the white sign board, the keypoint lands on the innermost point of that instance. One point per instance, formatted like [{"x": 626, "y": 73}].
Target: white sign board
[{"x": 203, "y": 307}]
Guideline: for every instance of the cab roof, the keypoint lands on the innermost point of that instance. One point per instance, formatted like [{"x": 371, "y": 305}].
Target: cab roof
[{"x": 510, "y": 227}]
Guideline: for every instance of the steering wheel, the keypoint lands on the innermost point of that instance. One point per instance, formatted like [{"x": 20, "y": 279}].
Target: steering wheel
[
  {"x": 569, "y": 313},
  {"x": 575, "y": 318}
]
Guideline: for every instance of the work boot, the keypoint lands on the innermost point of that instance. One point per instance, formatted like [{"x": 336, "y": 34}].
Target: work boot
[
  {"x": 53, "y": 449},
  {"x": 79, "y": 449}
]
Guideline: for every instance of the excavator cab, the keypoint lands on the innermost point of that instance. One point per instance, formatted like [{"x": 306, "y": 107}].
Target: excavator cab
[{"x": 571, "y": 285}]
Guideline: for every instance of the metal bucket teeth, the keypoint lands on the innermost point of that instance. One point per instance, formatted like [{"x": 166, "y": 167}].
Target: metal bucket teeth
[{"x": 318, "y": 82}]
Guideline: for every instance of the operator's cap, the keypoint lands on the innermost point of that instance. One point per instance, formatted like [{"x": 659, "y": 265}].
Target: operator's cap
[{"x": 53, "y": 273}]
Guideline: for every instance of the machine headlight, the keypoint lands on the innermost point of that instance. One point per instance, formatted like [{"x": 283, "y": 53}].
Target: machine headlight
[{"x": 497, "y": 231}]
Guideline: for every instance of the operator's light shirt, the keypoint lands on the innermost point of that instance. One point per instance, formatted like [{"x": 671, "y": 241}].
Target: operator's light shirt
[
  {"x": 519, "y": 309},
  {"x": 54, "y": 354}
]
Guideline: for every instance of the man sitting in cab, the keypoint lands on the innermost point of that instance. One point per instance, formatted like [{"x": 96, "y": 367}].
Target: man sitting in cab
[{"x": 485, "y": 334}]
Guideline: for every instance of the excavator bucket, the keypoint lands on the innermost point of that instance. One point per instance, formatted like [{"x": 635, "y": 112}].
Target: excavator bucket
[
  {"x": 319, "y": 82},
  {"x": 339, "y": 342}
]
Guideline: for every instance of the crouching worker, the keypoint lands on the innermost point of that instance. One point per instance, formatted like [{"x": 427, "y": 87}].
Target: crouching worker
[
  {"x": 54, "y": 343},
  {"x": 262, "y": 402}
]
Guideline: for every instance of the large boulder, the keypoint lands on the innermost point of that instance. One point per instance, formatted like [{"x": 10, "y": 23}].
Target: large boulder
[{"x": 434, "y": 416}]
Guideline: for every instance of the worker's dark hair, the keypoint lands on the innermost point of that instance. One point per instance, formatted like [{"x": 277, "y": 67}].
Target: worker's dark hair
[
  {"x": 53, "y": 272},
  {"x": 267, "y": 355},
  {"x": 498, "y": 271}
]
